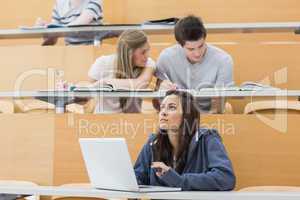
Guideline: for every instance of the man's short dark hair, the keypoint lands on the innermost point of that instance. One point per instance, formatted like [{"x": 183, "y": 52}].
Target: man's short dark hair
[{"x": 189, "y": 28}]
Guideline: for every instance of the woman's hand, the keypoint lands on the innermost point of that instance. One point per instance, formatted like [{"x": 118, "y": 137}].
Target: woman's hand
[
  {"x": 101, "y": 82},
  {"x": 160, "y": 167}
]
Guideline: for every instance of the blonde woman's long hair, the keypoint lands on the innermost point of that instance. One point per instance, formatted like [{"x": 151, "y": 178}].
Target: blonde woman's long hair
[{"x": 129, "y": 41}]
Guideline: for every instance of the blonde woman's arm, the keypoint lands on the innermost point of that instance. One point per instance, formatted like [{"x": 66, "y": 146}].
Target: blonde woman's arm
[{"x": 140, "y": 82}]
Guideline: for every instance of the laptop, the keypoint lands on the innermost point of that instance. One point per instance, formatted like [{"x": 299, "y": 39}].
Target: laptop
[{"x": 109, "y": 166}]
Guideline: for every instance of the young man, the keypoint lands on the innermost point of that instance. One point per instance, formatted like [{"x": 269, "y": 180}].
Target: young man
[{"x": 192, "y": 63}]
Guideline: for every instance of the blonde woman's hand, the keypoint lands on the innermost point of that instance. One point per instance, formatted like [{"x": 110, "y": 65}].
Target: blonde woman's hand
[
  {"x": 160, "y": 168},
  {"x": 101, "y": 82}
]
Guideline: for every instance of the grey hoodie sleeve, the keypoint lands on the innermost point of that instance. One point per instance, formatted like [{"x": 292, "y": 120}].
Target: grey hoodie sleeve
[
  {"x": 141, "y": 167},
  {"x": 218, "y": 177}
]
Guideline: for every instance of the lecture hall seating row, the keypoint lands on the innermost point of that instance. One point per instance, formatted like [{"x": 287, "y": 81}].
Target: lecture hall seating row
[{"x": 44, "y": 148}]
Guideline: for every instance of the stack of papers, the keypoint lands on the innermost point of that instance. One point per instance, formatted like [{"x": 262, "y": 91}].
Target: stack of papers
[{"x": 109, "y": 88}]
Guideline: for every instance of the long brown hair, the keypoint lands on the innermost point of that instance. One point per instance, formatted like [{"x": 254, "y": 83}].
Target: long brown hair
[
  {"x": 162, "y": 147},
  {"x": 129, "y": 41}
]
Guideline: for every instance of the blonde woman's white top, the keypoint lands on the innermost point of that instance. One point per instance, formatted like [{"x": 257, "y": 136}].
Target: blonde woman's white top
[{"x": 105, "y": 67}]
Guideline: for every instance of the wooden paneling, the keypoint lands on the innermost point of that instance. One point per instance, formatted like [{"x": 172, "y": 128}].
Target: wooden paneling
[
  {"x": 262, "y": 154},
  {"x": 114, "y": 11},
  {"x": 30, "y": 67},
  {"x": 213, "y": 10},
  {"x": 27, "y": 143},
  {"x": 270, "y": 62},
  {"x": 14, "y": 14},
  {"x": 71, "y": 127},
  {"x": 135, "y": 11}
]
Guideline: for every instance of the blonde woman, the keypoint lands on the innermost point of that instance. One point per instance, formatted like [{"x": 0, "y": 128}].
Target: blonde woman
[{"x": 130, "y": 67}]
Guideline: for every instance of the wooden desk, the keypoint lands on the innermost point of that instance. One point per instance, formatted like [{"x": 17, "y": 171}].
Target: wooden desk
[
  {"x": 61, "y": 98},
  {"x": 90, "y": 192},
  {"x": 96, "y": 31}
]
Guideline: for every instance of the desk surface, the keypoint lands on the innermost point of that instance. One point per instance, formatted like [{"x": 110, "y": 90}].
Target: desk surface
[
  {"x": 90, "y": 192},
  {"x": 94, "y": 31},
  {"x": 149, "y": 94}
]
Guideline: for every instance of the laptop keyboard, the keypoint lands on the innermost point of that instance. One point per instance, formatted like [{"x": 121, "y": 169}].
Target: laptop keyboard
[{"x": 145, "y": 186}]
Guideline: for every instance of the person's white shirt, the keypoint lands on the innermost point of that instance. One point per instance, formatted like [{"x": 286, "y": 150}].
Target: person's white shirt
[{"x": 105, "y": 68}]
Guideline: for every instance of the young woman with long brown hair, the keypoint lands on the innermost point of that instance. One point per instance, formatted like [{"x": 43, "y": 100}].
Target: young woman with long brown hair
[{"x": 181, "y": 154}]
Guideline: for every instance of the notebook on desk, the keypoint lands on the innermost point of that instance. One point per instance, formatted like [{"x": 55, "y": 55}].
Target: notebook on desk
[
  {"x": 246, "y": 86},
  {"x": 108, "y": 88},
  {"x": 102, "y": 25},
  {"x": 73, "y": 26},
  {"x": 166, "y": 21},
  {"x": 109, "y": 166}
]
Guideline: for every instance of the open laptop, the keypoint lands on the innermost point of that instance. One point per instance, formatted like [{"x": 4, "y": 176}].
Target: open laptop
[{"x": 109, "y": 166}]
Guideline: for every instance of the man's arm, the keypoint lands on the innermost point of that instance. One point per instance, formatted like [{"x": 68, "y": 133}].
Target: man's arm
[
  {"x": 163, "y": 79},
  {"x": 91, "y": 12},
  {"x": 224, "y": 79},
  {"x": 225, "y": 73}
]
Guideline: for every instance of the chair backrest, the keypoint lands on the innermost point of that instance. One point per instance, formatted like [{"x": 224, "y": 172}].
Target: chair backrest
[
  {"x": 21, "y": 183},
  {"x": 228, "y": 108},
  {"x": 81, "y": 108},
  {"x": 269, "y": 107},
  {"x": 270, "y": 188},
  {"x": 6, "y": 107},
  {"x": 75, "y": 185},
  {"x": 38, "y": 106},
  {"x": 33, "y": 106}
]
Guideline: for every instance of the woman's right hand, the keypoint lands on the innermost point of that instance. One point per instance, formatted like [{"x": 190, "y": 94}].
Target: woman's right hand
[
  {"x": 161, "y": 168},
  {"x": 100, "y": 83}
]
